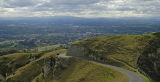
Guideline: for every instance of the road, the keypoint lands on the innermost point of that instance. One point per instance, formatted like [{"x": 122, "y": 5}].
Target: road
[
  {"x": 133, "y": 77},
  {"x": 63, "y": 55}
]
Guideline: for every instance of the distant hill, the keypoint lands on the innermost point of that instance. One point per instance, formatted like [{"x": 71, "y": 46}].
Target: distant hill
[{"x": 132, "y": 52}]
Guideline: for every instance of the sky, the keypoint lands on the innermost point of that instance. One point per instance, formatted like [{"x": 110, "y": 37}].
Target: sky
[{"x": 80, "y": 8}]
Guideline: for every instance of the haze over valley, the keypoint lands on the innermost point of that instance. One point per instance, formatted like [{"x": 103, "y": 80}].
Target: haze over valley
[{"x": 79, "y": 41}]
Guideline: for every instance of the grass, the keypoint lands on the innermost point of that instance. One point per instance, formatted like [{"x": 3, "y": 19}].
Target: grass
[
  {"x": 118, "y": 50},
  {"x": 70, "y": 70},
  {"x": 46, "y": 48},
  {"x": 84, "y": 71},
  {"x": 124, "y": 48},
  {"x": 29, "y": 71},
  {"x": 146, "y": 79},
  {"x": 9, "y": 63},
  {"x": 149, "y": 61}
]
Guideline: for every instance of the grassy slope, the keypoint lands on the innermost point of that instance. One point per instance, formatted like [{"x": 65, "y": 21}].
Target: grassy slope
[
  {"x": 31, "y": 70},
  {"x": 118, "y": 50},
  {"x": 84, "y": 71},
  {"x": 9, "y": 63},
  {"x": 124, "y": 49},
  {"x": 77, "y": 71},
  {"x": 149, "y": 61}
]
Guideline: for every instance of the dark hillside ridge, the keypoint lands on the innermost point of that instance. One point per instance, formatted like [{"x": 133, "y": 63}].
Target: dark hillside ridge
[
  {"x": 149, "y": 61},
  {"x": 132, "y": 52}
]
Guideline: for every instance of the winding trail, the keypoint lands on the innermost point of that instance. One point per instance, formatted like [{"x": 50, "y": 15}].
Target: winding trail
[{"x": 133, "y": 77}]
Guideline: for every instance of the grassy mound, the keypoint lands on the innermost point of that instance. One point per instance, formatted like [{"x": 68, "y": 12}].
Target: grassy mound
[
  {"x": 31, "y": 70},
  {"x": 119, "y": 50},
  {"x": 49, "y": 67},
  {"x": 123, "y": 51},
  {"x": 9, "y": 63},
  {"x": 84, "y": 71}
]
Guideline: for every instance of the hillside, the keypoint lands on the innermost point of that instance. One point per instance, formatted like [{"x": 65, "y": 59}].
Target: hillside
[
  {"x": 121, "y": 50},
  {"x": 149, "y": 61},
  {"x": 9, "y": 63},
  {"x": 84, "y": 71},
  {"x": 137, "y": 53},
  {"x": 48, "y": 67}
]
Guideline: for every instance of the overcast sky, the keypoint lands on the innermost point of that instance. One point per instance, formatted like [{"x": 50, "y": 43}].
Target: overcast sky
[{"x": 80, "y": 8}]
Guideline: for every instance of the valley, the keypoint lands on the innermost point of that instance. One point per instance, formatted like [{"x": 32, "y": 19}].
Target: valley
[
  {"x": 97, "y": 50},
  {"x": 113, "y": 57},
  {"x": 79, "y": 40}
]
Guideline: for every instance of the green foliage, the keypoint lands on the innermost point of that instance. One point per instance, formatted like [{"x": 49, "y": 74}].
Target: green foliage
[{"x": 27, "y": 46}]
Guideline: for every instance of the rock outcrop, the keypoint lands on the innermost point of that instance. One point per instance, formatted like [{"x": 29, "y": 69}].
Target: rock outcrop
[
  {"x": 149, "y": 61},
  {"x": 53, "y": 66},
  {"x": 78, "y": 51}
]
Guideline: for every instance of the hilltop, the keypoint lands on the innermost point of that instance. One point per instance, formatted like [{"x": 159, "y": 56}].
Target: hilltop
[
  {"x": 132, "y": 52},
  {"x": 137, "y": 53},
  {"x": 48, "y": 67}
]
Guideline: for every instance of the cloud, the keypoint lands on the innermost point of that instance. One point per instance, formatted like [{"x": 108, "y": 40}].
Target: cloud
[
  {"x": 80, "y": 8},
  {"x": 19, "y": 3}
]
